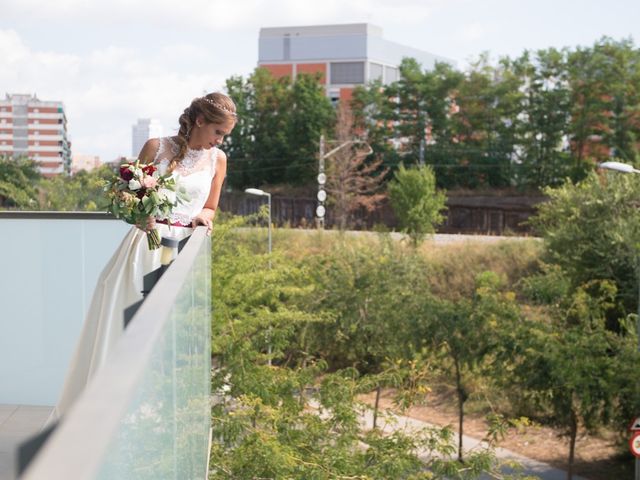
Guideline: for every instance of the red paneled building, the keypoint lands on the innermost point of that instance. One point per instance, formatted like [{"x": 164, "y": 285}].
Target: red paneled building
[
  {"x": 345, "y": 55},
  {"x": 37, "y": 129}
]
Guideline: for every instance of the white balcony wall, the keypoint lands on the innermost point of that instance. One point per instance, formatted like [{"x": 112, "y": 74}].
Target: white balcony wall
[{"x": 49, "y": 268}]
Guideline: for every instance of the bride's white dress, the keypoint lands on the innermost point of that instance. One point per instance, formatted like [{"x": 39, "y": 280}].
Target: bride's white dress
[{"x": 120, "y": 283}]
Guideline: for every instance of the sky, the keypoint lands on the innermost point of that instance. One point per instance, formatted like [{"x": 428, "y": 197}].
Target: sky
[{"x": 114, "y": 61}]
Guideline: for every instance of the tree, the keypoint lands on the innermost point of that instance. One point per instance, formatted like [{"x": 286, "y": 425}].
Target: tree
[
  {"x": 280, "y": 124},
  {"x": 591, "y": 231},
  {"x": 18, "y": 180},
  {"x": 542, "y": 158},
  {"x": 415, "y": 201},
  {"x": 463, "y": 333},
  {"x": 82, "y": 191},
  {"x": 309, "y": 115},
  {"x": 566, "y": 370},
  {"x": 605, "y": 85},
  {"x": 353, "y": 179}
]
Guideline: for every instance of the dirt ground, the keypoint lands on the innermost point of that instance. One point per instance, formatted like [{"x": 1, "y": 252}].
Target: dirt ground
[{"x": 597, "y": 457}]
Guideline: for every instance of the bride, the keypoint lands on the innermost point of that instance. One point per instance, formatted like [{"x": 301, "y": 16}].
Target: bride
[{"x": 199, "y": 167}]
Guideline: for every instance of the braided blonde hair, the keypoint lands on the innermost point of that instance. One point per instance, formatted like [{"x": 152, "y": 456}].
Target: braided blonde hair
[{"x": 214, "y": 107}]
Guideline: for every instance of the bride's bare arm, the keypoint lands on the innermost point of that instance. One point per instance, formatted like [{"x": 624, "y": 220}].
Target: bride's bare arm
[
  {"x": 205, "y": 217},
  {"x": 149, "y": 150}
]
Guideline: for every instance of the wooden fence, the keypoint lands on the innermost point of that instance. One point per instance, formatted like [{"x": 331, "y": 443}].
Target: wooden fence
[{"x": 482, "y": 214}]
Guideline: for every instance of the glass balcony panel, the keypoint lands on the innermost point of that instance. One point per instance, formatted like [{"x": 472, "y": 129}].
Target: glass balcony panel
[{"x": 165, "y": 432}]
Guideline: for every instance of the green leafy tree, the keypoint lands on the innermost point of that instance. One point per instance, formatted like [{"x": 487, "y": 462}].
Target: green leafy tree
[
  {"x": 309, "y": 115},
  {"x": 80, "y": 192},
  {"x": 481, "y": 140},
  {"x": 591, "y": 231},
  {"x": 542, "y": 157},
  {"x": 416, "y": 201},
  {"x": 605, "y": 84},
  {"x": 566, "y": 371},
  {"x": 363, "y": 290},
  {"x": 463, "y": 333},
  {"x": 279, "y": 129},
  {"x": 18, "y": 183}
]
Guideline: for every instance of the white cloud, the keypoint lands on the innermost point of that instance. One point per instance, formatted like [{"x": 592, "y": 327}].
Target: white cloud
[
  {"x": 473, "y": 31},
  {"x": 223, "y": 15},
  {"x": 107, "y": 89}
]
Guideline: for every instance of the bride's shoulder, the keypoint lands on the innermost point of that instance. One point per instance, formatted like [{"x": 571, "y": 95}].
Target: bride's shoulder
[
  {"x": 220, "y": 156},
  {"x": 149, "y": 150}
]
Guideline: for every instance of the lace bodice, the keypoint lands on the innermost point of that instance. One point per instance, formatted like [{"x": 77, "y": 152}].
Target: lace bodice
[{"x": 194, "y": 174}]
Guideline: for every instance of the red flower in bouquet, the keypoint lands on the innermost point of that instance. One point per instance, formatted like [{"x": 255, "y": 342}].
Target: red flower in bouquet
[{"x": 125, "y": 173}]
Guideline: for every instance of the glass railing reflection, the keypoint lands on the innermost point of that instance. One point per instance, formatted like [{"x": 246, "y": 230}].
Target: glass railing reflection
[
  {"x": 146, "y": 413},
  {"x": 166, "y": 429}
]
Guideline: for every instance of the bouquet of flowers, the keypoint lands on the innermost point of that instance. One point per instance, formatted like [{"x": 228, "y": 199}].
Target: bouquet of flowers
[{"x": 138, "y": 192}]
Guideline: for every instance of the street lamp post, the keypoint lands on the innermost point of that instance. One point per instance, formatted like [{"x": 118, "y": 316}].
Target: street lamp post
[{"x": 626, "y": 168}]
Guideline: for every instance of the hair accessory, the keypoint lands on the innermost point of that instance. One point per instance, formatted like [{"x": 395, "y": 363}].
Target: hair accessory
[{"x": 219, "y": 106}]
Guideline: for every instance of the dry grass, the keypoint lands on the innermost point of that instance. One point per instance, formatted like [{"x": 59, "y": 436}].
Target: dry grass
[{"x": 456, "y": 266}]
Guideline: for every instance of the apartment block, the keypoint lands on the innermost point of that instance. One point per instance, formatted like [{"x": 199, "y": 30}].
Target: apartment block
[
  {"x": 345, "y": 56},
  {"x": 37, "y": 129}
]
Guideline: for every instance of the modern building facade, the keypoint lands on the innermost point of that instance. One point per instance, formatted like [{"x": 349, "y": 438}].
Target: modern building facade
[
  {"x": 142, "y": 131},
  {"x": 345, "y": 56},
  {"x": 37, "y": 129}
]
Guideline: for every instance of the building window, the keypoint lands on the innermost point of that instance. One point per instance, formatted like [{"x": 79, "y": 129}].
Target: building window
[
  {"x": 347, "y": 73},
  {"x": 375, "y": 71},
  {"x": 36, "y": 110},
  {"x": 36, "y": 121},
  {"x": 286, "y": 47}
]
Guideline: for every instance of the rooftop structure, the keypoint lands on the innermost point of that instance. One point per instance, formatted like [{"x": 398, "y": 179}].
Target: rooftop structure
[{"x": 345, "y": 56}]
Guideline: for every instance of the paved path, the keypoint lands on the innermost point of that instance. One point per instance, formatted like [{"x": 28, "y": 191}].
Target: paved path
[
  {"x": 541, "y": 470},
  {"x": 17, "y": 423}
]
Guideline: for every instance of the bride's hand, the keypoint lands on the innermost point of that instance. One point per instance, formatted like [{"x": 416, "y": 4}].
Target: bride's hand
[{"x": 201, "y": 219}]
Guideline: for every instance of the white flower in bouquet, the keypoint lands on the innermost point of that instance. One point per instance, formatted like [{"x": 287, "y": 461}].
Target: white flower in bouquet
[
  {"x": 134, "y": 184},
  {"x": 167, "y": 195}
]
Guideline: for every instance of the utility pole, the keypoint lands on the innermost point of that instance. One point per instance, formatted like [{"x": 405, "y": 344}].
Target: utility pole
[{"x": 322, "y": 179}]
